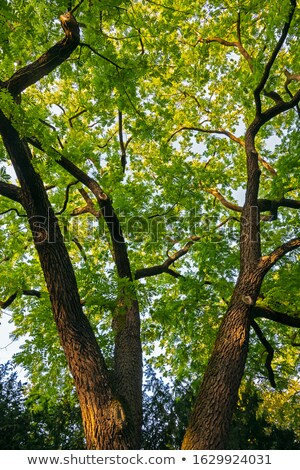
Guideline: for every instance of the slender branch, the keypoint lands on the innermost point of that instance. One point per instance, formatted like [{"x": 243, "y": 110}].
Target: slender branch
[
  {"x": 154, "y": 271},
  {"x": 272, "y": 59},
  {"x": 122, "y": 146},
  {"x": 193, "y": 97},
  {"x": 89, "y": 206},
  {"x": 13, "y": 209},
  {"x": 76, "y": 6},
  {"x": 209, "y": 131},
  {"x": 266, "y": 262},
  {"x": 168, "y": 210},
  {"x": 240, "y": 46},
  {"x": 291, "y": 77},
  {"x": 270, "y": 352},
  {"x": 80, "y": 247},
  {"x": 267, "y": 166},
  {"x": 54, "y": 129},
  {"x": 264, "y": 205},
  {"x": 165, "y": 266},
  {"x": 107, "y": 142},
  {"x": 224, "y": 201},
  {"x": 66, "y": 197},
  {"x": 278, "y": 317},
  {"x": 76, "y": 116},
  {"x": 228, "y": 134},
  {"x": 6, "y": 303},
  {"x": 219, "y": 40},
  {"x": 141, "y": 42},
  {"x": 131, "y": 102},
  {"x": 50, "y": 60},
  {"x": 102, "y": 56}
]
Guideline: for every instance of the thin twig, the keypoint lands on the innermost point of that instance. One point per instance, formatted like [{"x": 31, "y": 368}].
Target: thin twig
[
  {"x": 14, "y": 210},
  {"x": 270, "y": 352},
  {"x": 76, "y": 116},
  {"x": 102, "y": 56},
  {"x": 76, "y": 6},
  {"x": 66, "y": 197},
  {"x": 121, "y": 140}
]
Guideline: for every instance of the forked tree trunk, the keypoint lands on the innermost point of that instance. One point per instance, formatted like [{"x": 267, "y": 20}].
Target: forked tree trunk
[{"x": 109, "y": 423}]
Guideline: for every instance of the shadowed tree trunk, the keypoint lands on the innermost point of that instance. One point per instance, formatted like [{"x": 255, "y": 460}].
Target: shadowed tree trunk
[
  {"x": 110, "y": 401},
  {"x": 211, "y": 418}
]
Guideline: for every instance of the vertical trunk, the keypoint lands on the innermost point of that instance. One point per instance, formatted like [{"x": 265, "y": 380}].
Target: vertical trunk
[
  {"x": 128, "y": 362},
  {"x": 126, "y": 326},
  {"x": 217, "y": 398},
  {"x": 128, "y": 365},
  {"x": 104, "y": 415},
  {"x": 210, "y": 421}
]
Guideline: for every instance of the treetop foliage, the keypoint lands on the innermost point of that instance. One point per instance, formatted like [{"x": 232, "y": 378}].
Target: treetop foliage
[{"x": 153, "y": 105}]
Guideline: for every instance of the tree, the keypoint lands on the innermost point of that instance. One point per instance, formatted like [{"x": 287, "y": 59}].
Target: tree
[
  {"x": 30, "y": 421},
  {"x": 114, "y": 109}
]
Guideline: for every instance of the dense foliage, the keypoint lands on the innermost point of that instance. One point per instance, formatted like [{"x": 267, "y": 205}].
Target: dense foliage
[{"x": 153, "y": 105}]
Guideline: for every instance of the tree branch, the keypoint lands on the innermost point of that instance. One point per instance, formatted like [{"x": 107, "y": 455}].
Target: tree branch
[
  {"x": 66, "y": 197},
  {"x": 221, "y": 198},
  {"x": 165, "y": 266},
  {"x": 154, "y": 271},
  {"x": 270, "y": 352},
  {"x": 274, "y": 96},
  {"x": 122, "y": 146},
  {"x": 267, "y": 166},
  {"x": 76, "y": 116},
  {"x": 11, "y": 191},
  {"x": 278, "y": 317},
  {"x": 6, "y": 303},
  {"x": 76, "y": 6},
  {"x": 228, "y": 134},
  {"x": 118, "y": 67},
  {"x": 50, "y": 60},
  {"x": 209, "y": 131},
  {"x": 272, "y": 59},
  {"x": 240, "y": 46},
  {"x": 263, "y": 204},
  {"x": 266, "y": 262},
  {"x": 237, "y": 44},
  {"x": 291, "y": 77},
  {"x": 89, "y": 206},
  {"x": 273, "y": 205},
  {"x": 13, "y": 209}
]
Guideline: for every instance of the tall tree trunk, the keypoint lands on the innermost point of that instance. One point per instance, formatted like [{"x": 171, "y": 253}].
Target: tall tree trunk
[
  {"x": 211, "y": 418},
  {"x": 210, "y": 421},
  {"x": 106, "y": 418},
  {"x": 128, "y": 363}
]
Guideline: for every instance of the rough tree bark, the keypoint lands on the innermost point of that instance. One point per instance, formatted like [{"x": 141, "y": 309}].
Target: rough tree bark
[
  {"x": 110, "y": 401},
  {"x": 210, "y": 420}
]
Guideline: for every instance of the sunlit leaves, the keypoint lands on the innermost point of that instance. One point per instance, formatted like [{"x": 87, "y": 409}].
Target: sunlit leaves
[{"x": 185, "y": 89}]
